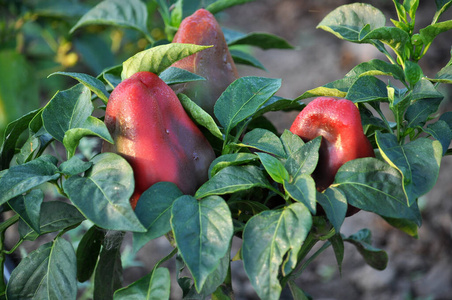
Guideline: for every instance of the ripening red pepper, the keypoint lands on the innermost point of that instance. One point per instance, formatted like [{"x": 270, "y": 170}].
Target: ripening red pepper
[
  {"x": 152, "y": 131},
  {"x": 343, "y": 139},
  {"x": 214, "y": 64}
]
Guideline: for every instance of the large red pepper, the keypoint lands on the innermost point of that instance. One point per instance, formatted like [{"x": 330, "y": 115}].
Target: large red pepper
[
  {"x": 214, "y": 64},
  {"x": 339, "y": 124},
  {"x": 152, "y": 131}
]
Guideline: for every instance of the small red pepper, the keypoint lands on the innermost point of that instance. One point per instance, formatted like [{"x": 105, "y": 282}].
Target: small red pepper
[
  {"x": 214, "y": 64},
  {"x": 343, "y": 139},
  {"x": 152, "y": 131}
]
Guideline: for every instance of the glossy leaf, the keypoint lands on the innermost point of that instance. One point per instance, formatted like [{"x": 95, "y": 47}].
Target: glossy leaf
[
  {"x": 276, "y": 103},
  {"x": 336, "y": 88},
  {"x": 441, "y": 7},
  {"x": 429, "y": 33},
  {"x": 366, "y": 89},
  {"x": 376, "y": 67},
  {"x": 173, "y": 75},
  {"x": 154, "y": 212},
  {"x": 132, "y": 14},
  {"x": 28, "y": 206},
  {"x": 200, "y": 116},
  {"x": 67, "y": 109},
  {"x": 302, "y": 189},
  {"x": 233, "y": 179},
  {"x": 274, "y": 167},
  {"x": 221, "y": 5},
  {"x": 233, "y": 159},
  {"x": 49, "y": 272},
  {"x": 417, "y": 161},
  {"x": 91, "y": 127},
  {"x": 262, "y": 40},
  {"x": 21, "y": 178},
  {"x": 244, "y": 58},
  {"x": 396, "y": 38},
  {"x": 88, "y": 252},
  {"x": 102, "y": 195},
  {"x": 291, "y": 142},
  {"x": 242, "y": 99},
  {"x": 54, "y": 216},
  {"x": 376, "y": 258},
  {"x": 203, "y": 231},
  {"x": 157, "y": 59},
  {"x": 11, "y": 135},
  {"x": 373, "y": 185},
  {"x": 304, "y": 160},
  {"x": 74, "y": 166},
  {"x": 338, "y": 246},
  {"x": 441, "y": 131},
  {"x": 271, "y": 241},
  {"x": 264, "y": 140},
  {"x": 154, "y": 286},
  {"x": 94, "y": 84},
  {"x": 346, "y": 21},
  {"x": 335, "y": 206}
]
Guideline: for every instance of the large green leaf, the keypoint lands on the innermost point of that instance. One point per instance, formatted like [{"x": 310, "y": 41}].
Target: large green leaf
[
  {"x": 396, "y": 38},
  {"x": 154, "y": 212},
  {"x": 132, "y": 14},
  {"x": 158, "y": 58},
  {"x": 274, "y": 167},
  {"x": 376, "y": 67},
  {"x": 374, "y": 257},
  {"x": 173, "y": 75},
  {"x": 334, "y": 204},
  {"x": 88, "y": 252},
  {"x": 302, "y": 189},
  {"x": 441, "y": 7},
  {"x": 264, "y": 140},
  {"x": 67, "y": 109},
  {"x": 154, "y": 286},
  {"x": 373, "y": 185},
  {"x": 304, "y": 159},
  {"x": 271, "y": 241},
  {"x": 54, "y": 216},
  {"x": 203, "y": 231},
  {"x": 233, "y": 179},
  {"x": 21, "y": 178},
  {"x": 242, "y": 99},
  {"x": 262, "y": 40},
  {"x": 108, "y": 274},
  {"x": 49, "y": 272},
  {"x": 429, "y": 33},
  {"x": 366, "y": 89},
  {"x": 28, "y": 207},
  {"x": 103, "y": 194},
  {"x": 221, "y": 5},
  {"x": 417, "y": 161},
  {"x": 441, "y": 131},
  {"x": 347, "y": 21},
  {"x": 232, "y": 159},
  {"x": 291, "y": 142}
]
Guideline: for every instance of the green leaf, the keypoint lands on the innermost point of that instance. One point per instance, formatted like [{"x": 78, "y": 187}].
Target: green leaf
[
  {"x": 173, "y": 75},
  {"x": 426, "y": 102},
  {"x": 11, "y": 135},
  {"x": 262, "y": 40},
  {"x": 241, "y": 57},
  {"x": 264, "y": 140},
  {"x": 376, "y": 258},
  {"x": 366, "y": 89},
  {"x": 131, "y": 14},
  {"x": 29, "y": 208},
  {"x": 94, "y": 84},
  {"x": 373, "y": 185},
  {"x": 334, "y": 204},
  {"x": 441, "y": 131},
  {"x": 154, "y": 286},
  {"x": 336, "y": 88},
  {"x": 429, "y": 33},
  {"x": 91, "y": 127},
  {"x": 233, "y": 179},
  {"x": 304, "y": 160},
  {"x": 444, "y": 75},
  {"x": 61, "y": 9},
  {"x": 242, "y": 99},
  {"x": 232, "y": 159},
  {"x": 291, "y": 142},
  {"x": 441, "y": 7},
  {"x": 54, "y": 216},
  {"x": 413, "y": 72},
  {"x": 203, "y": 231},
  {"x": 221, "y": 5},
  {"x": 271, "y": 242},
  {"x": 200, "y": 116},
  {"x": 103, "y": 194},
  {"x": 88, "y": 252},
  {"x": 302, "y": 189},
  {"x": 154, "y": 212},
  {"x": 66, "y": 110},
  {"x": 112, "y": 75},
  {"x": 418, "y": 162},
  {"x": 49, "y": 272},
  {"x": 274, "y": 167},
  {"x": 108, "y": 274},
  {"x": 396, "y": 38},
  {"x": 338, "y": 247},
  {"x": 74, "y": 166},
  {"x": 346, "y": 21},
  {"x": 157, "y": 59},
  {"x": 297, "y": 293},
  {"x": 21, "y": 178},
  {"x": 276, "y": 103},
  {"x": 376, "y": 67}
]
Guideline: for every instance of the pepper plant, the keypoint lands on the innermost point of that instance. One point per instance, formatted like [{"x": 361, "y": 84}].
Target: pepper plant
[{"x": 258, "y": 187}]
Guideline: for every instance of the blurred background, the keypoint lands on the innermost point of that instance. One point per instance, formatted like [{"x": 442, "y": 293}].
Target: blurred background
[{"x": 35, "y": 42}]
